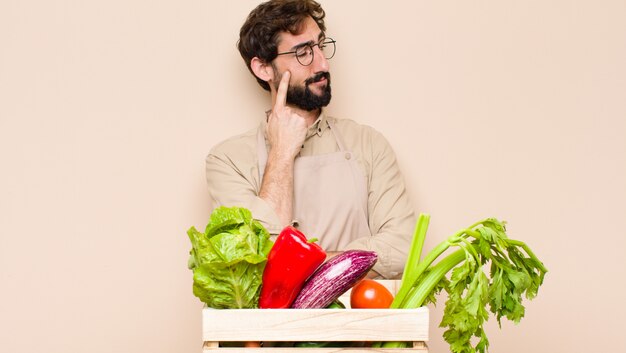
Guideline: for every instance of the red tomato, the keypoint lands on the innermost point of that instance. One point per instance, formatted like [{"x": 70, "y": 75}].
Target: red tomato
[{"x": 369, "y": 294}]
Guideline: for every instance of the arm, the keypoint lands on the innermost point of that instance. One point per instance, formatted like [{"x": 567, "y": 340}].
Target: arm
[
  {"x": 232, "y": 175},
  {"x": 277, "y": 187},
  {"x": 231, "y": 184},
  {"x": 390, "y": 212},
  {"x": 286, "y": 132},
  {"x": 233, "y": 180}
]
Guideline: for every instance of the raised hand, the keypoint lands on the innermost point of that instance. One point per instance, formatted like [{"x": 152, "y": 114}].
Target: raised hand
[{"x": 286, "y": 130}]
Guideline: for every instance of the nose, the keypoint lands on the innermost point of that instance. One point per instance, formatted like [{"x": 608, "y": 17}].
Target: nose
[{"x": 320, "y": 63}]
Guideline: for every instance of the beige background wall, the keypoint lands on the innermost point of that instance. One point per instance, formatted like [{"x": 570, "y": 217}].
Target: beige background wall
[{"x": 511, "y": 109}]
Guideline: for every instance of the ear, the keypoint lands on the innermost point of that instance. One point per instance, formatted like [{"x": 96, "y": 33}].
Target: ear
[{"x": 261, "y": 69}]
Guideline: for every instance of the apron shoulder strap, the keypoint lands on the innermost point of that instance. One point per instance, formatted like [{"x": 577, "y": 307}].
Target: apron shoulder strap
[
  {"x": 261, "y": 152},
  {"x": 337, "y": 134}
]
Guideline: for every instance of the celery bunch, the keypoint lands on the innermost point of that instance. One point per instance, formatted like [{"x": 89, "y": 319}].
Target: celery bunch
[{"x": 514, "y": 271}]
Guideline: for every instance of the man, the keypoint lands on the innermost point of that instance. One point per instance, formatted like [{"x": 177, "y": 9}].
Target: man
[{"x": 334, "y": 179}]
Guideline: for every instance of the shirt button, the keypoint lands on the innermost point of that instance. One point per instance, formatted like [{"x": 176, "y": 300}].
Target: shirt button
[{"x": 348, "y": 156}]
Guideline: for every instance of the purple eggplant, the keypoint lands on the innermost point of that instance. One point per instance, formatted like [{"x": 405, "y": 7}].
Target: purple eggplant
[{"x": 334, "y": 277}]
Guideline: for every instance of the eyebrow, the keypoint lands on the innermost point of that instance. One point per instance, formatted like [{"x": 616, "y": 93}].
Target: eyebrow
[
  {"x": 309, "y": 43},
  {"x": 302, "y": 45}
]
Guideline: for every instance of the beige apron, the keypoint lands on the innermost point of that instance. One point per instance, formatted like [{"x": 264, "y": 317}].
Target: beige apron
[{"x": 330, "y": 194}]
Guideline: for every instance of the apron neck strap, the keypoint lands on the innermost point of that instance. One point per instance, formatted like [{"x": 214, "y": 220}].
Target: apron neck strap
[
  {"x": 261, "y": 151},
  {"x": 338, "y": 137}
]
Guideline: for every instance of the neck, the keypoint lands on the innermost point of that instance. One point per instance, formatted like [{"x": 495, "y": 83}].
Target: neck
[{"x": 309, "y": 116}]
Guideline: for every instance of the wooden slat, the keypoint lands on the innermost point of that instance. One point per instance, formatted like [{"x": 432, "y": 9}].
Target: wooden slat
[
  {"x": 356, "y": 325},
  {"x": 423, "y": 349},
  {"x": 315, "y": 325},
  {"x": 419, "y": 344},
  {"x": 210, "y": 345}
]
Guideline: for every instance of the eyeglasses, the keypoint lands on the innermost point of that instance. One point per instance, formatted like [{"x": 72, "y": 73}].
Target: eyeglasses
[{"x": 304, "y": 54}]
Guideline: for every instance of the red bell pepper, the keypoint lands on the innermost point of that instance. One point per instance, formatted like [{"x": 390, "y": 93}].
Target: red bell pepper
[{"x": 290, "y": 262}]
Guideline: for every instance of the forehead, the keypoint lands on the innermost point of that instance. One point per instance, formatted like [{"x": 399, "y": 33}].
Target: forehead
[{"x": 310, "y": 32}]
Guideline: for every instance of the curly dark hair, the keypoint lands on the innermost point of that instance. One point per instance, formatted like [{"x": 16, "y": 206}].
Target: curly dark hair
[{"x": 258, "y": 36}]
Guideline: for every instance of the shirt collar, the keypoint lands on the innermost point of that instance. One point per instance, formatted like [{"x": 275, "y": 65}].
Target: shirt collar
[{"x": 319, "y": 126}]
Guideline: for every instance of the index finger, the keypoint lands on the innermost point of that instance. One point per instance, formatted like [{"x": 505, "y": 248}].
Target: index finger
[{"x": 281, "y": 95}]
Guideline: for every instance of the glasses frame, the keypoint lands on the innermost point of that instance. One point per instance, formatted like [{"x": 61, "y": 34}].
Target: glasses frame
[{"x": 325, "y": 41}]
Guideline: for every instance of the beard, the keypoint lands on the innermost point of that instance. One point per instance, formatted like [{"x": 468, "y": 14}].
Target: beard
[{"x": 303, "y": 98}]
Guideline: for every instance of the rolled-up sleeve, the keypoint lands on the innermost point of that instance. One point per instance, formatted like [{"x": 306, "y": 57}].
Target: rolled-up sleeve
[
  {"x": 233, "y": 184},
  {"x": 391, "y": 214}
]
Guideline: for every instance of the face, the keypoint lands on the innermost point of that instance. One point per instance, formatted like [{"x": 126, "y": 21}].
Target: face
[{"x": 309, "y": 86}]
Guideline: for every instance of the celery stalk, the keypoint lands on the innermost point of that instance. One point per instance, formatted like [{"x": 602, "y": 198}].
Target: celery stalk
[
  {"x": 514, "y": 270},
  {"x": 417, "y": 244},
  {"x": 406, "y": 286},
  {"x": 410, "y": 274},
  {"x": 430, "y": 281}
]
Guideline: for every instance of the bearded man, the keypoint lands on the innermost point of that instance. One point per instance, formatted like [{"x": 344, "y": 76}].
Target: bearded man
[{"x": 333, "y": 179}]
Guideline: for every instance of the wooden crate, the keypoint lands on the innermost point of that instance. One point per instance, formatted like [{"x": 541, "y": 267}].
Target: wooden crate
[{"x": 302, "y": 325}]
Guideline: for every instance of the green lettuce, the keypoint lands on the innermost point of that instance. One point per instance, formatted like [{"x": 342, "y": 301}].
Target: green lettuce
[{"x": 228, "y": 259}]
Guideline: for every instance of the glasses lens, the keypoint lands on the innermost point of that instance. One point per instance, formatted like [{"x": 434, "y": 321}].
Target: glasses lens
[
  {"x": 328, "y": 48},
  {"x": 304, "y": 55}
]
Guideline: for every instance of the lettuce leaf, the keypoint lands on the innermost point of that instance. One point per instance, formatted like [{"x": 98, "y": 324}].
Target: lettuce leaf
[{"x": 228, "y": 259}]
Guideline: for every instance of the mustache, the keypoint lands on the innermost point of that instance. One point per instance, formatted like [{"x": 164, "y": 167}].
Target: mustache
[{"x": 319, "y": 76}]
